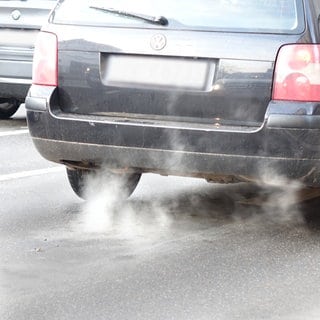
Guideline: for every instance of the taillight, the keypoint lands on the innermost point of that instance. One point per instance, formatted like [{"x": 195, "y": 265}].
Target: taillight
[
  {"x": 45, "y": 60},
  {"x": 297, "y": 73}
]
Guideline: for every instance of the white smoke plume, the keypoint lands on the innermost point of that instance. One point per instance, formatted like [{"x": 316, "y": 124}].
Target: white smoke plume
[{"x": 107, "y": 211}]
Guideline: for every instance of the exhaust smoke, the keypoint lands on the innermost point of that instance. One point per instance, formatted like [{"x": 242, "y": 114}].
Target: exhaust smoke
[
  {"x": 107, "y": 211},
  {"x": 280, "y": 197}
]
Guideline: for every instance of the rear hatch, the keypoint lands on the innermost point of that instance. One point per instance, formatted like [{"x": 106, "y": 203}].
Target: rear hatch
[
  {"x": 27, "y": 15},
  {"x": 20, "y": 22},
  {"x": 208, "y": 63}
]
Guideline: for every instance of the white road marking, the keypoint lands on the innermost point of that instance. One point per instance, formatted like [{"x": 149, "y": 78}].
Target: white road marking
[
  {"x": 31, "y": 173},
  {"x": 13, "y": 132}
]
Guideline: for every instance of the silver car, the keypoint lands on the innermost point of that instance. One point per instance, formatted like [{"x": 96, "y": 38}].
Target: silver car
[{"x": 20, "y": 22}]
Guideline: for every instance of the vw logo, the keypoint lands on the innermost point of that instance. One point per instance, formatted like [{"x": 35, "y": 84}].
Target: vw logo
[
  {"x": 15, "y": 14},
  {"x": 158, "y": 42}
]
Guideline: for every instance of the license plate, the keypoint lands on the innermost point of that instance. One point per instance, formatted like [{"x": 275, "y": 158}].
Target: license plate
[{"x": 157, "y": 72}]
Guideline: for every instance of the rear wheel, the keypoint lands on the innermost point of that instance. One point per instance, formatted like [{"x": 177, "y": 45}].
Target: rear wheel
[
  {"x": 88, "y": 182},
  {"x": 8, "y": 107}
]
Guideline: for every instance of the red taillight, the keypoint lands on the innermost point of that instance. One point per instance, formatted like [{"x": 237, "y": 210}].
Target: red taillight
[
  {"x": 297, "y": 73},
  {"x": 300, "y": 56},
  {"x": 45, "y": 60}
]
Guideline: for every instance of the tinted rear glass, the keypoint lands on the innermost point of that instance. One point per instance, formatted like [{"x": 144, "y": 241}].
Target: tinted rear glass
[{"x": 273, "y": 16}]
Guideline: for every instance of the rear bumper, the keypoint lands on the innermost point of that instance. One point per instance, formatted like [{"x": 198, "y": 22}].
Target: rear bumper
[
  {"x": 15, "y": 72},
  {"x": 286, "y": 144},
  {"x": 193, "y": 164}
]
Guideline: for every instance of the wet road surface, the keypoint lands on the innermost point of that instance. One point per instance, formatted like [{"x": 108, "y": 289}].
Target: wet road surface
[{"x": 179, "y": 248}]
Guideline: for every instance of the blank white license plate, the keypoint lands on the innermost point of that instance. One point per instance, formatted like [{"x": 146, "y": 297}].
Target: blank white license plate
[{"x": 157, "y": 72}]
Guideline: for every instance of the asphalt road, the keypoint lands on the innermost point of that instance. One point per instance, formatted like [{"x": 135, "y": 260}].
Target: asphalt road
[{"x": 179, "y": 248}]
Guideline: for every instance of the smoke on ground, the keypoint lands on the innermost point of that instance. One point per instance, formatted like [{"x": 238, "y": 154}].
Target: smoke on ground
[
  {"x": 106, "y": 211},
  {"x": 281, "y": 197}
]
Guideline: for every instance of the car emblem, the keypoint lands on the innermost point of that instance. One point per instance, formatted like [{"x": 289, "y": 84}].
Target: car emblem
[
  {"x": 15, "y": 14},
  {"x": 158, "y": 42}
]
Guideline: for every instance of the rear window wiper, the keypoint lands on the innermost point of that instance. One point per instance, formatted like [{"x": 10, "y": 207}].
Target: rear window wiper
[{"x": 150, "y": 19}]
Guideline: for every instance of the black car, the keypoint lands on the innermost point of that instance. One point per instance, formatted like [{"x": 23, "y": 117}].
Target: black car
[
  {"x": 20, "y": 22},
  {"x": 223, "y": 90}
]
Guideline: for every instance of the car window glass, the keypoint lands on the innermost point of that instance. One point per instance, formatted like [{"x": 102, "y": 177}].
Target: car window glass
[{"x": 264, "y": 15}]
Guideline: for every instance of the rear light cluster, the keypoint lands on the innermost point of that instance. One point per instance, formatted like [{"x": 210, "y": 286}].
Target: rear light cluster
[
  {"x": 45, "y": 60},
  {"x": 297, "y": 73}
]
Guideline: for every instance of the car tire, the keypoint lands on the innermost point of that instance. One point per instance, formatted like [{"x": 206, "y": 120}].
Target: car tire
[
  {"x": 8, "y": 107},
  {"x": 78, "y": 180}
]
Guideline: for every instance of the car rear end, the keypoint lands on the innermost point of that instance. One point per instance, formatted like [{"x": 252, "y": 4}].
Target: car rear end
[
  {"x": 224, "y": 90},
  {"x": 20, "y": 22}
]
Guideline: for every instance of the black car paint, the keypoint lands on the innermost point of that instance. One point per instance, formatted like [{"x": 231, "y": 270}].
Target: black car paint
[
  {"x": 245, "y": 83},
  {"x": 84, "y": 124}
]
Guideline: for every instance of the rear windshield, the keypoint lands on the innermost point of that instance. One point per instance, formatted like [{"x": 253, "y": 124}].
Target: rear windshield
[{"x": 269, "y": 16}]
